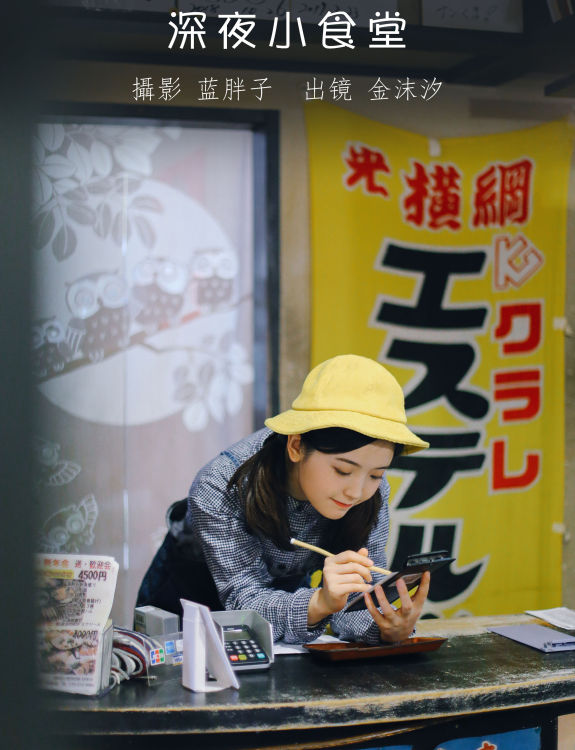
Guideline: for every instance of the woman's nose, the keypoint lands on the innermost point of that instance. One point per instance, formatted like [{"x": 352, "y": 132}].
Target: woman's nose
[{"x": 353, "y": 489}]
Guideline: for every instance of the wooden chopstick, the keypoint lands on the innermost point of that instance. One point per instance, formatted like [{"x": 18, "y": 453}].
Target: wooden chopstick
[{"x": 325, "y": 553}]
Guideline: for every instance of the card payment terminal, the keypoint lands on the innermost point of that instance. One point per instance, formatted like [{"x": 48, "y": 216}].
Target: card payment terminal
[
  {"x": 242, "y": 649},
  {"x": 247, "y": 638}
]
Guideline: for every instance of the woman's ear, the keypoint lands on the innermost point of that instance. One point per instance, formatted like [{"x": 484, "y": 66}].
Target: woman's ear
[{"x": 294, "y": 448}]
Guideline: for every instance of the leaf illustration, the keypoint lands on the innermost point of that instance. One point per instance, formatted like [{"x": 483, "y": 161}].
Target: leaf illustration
[
  {"x": 77, "y": 194},
  {"x": 133, "y": 160},
  {"x": 205, "y": 373},
  {"x": 52, "y": 135},
  {"x": 81, "y": 214},
  {"x": 57, "y": 166},
  {"x": 195, "y": 416},
  {"x": 180, "y": 375},
  {"x": 101, "y": 158},
  {"x": 236, "y": 352},
  {"x": 185, "y": 392},
  {"x": 82, "y": 160},
  {"x": 227, "y": 339},
  {"x": 41, "y": 187},
  {"x": 234, "y": 398},
  {"x": 118, "y": 228},
  {"x": 142, "y": 140},
  {"x": 216, "y": 397},
  {"x": 44, "y": 225},
  {"x": 83, "y": 139},
  {"x": 242, "y": 372},
  {"x": 64, "y": 243},
  {"x": 145, "y": 230},
  {"x": 64, "y": 185},
  {"x": 103, "y": 220},
  {"x": 101, "y": 186},
  {"x": 147, "y": 203}
]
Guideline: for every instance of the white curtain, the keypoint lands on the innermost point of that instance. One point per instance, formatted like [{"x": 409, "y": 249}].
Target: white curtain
[{"x": 143, "y": 328}]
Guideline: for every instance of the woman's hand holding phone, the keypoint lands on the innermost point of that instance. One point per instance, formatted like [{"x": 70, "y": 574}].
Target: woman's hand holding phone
[{"x": 397, "y": 624}]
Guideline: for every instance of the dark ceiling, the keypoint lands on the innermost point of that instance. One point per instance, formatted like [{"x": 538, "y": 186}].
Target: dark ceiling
[{"x": 483, "y": 58}]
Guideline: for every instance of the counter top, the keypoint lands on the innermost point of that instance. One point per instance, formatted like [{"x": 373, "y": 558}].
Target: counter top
[{"x": 474, "y": 671}]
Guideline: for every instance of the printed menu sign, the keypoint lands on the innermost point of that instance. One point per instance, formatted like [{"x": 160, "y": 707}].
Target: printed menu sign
[{"x": 75, "y": 594}]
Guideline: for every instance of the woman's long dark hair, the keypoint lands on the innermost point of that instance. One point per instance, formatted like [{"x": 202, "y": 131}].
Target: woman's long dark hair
[{"x": 262, "y": 482}]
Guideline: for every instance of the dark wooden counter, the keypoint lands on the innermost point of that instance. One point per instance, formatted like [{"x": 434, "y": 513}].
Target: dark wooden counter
[{"x": 473, "y": 673}]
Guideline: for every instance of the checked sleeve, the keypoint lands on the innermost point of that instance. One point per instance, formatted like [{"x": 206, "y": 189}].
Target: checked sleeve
[{"x": 235, "y": 558}]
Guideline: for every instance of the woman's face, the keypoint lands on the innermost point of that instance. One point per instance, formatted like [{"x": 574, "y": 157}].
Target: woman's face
[{"x": 335, "y": 482}]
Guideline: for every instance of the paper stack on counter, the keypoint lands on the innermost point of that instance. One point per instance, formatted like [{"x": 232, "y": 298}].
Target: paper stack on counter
[
  {"x": 76, "y": 593},
  {"x": 561, "y": 617}
]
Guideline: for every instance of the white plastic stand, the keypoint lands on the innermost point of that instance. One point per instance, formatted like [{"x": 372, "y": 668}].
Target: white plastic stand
[{"x": 203, "y": 650}]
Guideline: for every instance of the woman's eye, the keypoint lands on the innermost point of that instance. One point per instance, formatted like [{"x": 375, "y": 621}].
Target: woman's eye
[
  {"x": 341, "y": 473},
  {"x": 378, "y": 479}
]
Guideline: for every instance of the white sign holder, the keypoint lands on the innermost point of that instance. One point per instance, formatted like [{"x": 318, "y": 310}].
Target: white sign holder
[{"x": 204, "y": 650}]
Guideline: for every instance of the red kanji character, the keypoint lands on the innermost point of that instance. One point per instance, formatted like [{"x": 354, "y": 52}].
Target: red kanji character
[
  {"x": 530, "y": 310},
  {"x": 78, "y": 564},
  {"x": 65, "y": 563},
  {"x": 92, "y": 565},
  {"x": 434, "y": 198},
  {"x": 364, "y": 165},
  {"x": 516, "y": 261},
  {"x": 502, "y": 481},
  {"x": 507, "y": 389},
  {"x": 485, "y": 199},
  {"x": 503, "y": 194},
  {"x": 47, "y": 562},
  {"x": 515, "y": 192},
  {"x": 445, "y": 203},
  {"x": 414, "y": 201}
]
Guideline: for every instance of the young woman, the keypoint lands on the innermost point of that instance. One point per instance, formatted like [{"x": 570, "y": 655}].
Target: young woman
[{"x": 317, "y": 474}]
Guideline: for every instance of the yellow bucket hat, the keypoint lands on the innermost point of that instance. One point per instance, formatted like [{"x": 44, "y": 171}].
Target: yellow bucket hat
[{"x": 354, "y": 392}]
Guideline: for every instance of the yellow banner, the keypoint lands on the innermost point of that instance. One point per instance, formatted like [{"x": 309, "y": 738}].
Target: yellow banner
[{"x": 445, "y": 260}]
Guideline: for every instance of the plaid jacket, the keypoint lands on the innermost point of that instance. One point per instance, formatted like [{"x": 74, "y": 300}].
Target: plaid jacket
[{"x": 252, "y": 573}]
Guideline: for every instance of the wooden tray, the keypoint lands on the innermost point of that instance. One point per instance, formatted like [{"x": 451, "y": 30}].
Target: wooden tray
[{"x": 343, "y": 651}]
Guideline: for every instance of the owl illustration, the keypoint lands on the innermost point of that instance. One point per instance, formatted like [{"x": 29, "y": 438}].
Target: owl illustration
[
  {"x": 157, "y": 294},
  {"x": 50, "y": 351},
  {"x": 70, "y": 528},
  {"x": 50, "y": 469},
  {"x": 214, "y": 272},
  {"x": 99, "y": 303}
]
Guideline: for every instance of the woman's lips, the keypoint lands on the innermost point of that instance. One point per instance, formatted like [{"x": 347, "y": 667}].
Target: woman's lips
[{"x": 341, "y": 505}]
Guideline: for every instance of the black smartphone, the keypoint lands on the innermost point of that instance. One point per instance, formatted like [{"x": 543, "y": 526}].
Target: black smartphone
[{"x": 411, "y": 572}]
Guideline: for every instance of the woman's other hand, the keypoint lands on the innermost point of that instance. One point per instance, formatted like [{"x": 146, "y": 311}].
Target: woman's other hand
[{"x": 398, "y": 624}]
